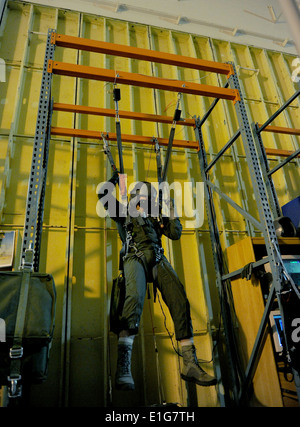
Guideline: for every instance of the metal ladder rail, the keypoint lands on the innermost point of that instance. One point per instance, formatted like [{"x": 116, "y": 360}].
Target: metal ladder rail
[
  {"x": 40, "y": 214},
  {"x": 38, "y": 172},
  {"x": 272, "y": 195},
  {"x": 219, "y": 268}
]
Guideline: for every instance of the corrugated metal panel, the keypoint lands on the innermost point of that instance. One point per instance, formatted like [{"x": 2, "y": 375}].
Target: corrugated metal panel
[{"x": 79, "y": 248}]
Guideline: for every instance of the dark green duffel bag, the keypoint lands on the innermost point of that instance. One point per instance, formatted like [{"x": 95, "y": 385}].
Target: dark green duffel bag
[{"x": 38, "y": 325}]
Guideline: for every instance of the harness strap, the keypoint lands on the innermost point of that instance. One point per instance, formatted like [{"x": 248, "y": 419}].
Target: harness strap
[
  {"x": 119, "y": 142},
  {"x": 122, "y": 177},
  {"x": 159, "y": 176},
  {"x": 117, "y": 97},
  {"x": 158, "y": 160},
  {"x": 151, "y": 275},
  {"x": 16, "y": 351},
  {"x": 168, "y": 155},
  {"x": 155, "y": 276},
  {"x": 176, "y": 118},
  {"x": 108, "y": 152}
]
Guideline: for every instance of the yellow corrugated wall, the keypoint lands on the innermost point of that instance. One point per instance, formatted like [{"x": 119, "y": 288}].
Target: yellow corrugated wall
[{"x": 80, "y": 249}]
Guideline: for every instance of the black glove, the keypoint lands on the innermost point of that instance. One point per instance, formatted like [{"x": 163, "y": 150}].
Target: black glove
[
  {"x": 169, "y": 206},
  {"x": 115, "y": 178},
  {"x": 247, "y": 271}
]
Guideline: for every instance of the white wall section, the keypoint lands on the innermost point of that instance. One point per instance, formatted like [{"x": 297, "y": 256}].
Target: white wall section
[{"x": 260, "y": 23}]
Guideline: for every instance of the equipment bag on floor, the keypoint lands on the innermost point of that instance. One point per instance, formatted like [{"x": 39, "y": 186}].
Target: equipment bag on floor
[{"x": 37, "y": 319}]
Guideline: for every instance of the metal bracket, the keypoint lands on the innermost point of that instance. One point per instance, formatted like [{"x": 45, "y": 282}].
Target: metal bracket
[{"x": 50, "y": 66}]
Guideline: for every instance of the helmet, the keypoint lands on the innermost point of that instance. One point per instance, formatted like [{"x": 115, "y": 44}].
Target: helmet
[
  {"x": 144, "y": 188},
  {"x": 284, "y": 227},
  {"x": 149, "y": 205}
]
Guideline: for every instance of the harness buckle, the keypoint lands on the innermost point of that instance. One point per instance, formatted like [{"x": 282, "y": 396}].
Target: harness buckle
[
  {"x": 158, "y": 253},
  {"x": 16, "y": 352},
  {"x": 14, "y": 389},
  {"x": 138, "y": 253}
]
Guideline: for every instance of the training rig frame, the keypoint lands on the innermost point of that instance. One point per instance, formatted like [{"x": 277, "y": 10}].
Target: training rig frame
[{"x": 237, "y": 391}]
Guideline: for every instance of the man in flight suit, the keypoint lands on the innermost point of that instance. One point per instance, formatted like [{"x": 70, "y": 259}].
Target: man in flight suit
[{"x": 144, "y": 261}]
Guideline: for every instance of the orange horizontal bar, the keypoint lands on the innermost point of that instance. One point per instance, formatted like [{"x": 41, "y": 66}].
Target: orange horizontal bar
[
  {"x": 281, "y": 240},
  {"x": 142, "y": 54},
  {"x": 279, "y": 152},
  {"x": 277, "y": 129},
  {"x": 123, "y": 114},
  {"x": 90, "y": 134},
  {"x": 83, "y": 71}
]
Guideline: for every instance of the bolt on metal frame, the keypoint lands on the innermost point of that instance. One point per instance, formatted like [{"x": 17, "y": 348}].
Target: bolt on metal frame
[{"x": 34, "y": 208}]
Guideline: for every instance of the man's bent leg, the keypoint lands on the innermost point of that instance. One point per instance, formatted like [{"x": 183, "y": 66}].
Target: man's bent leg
[{"x": 174, "y": 295}]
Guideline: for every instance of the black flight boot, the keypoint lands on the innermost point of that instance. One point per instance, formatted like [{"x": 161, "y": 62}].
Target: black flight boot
[{"x": 124, "y": 380}]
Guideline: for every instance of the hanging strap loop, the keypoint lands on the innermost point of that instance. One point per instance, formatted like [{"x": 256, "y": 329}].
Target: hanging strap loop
[
  {"x": 176, "y": 118},
  {"x": 16, "y": 351},
  {"x": 107, "y": 151}
]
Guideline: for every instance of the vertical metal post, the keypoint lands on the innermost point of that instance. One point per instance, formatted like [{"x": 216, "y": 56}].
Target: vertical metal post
[
  {"x": 219, "y": 267},
  {"x": 266, "y": 219},
  {"x": 273, "y": 200},
  {"x": 40, "y": 213},
  {"x": 64, "y": 388},
  {"x": 38, "y": 171},
  {"x": 257, "y": 348}
]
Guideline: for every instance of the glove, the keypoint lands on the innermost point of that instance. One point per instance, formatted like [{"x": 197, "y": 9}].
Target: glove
[
  {"x": 173, "y": 213},
  {"x": 115, "y": 178},
  {"x": 169, "y": 207},
  {"x": 247, "y": 271}
]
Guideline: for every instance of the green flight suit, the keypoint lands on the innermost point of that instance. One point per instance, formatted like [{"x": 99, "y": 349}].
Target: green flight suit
[{"x": 152, "y": 266}]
